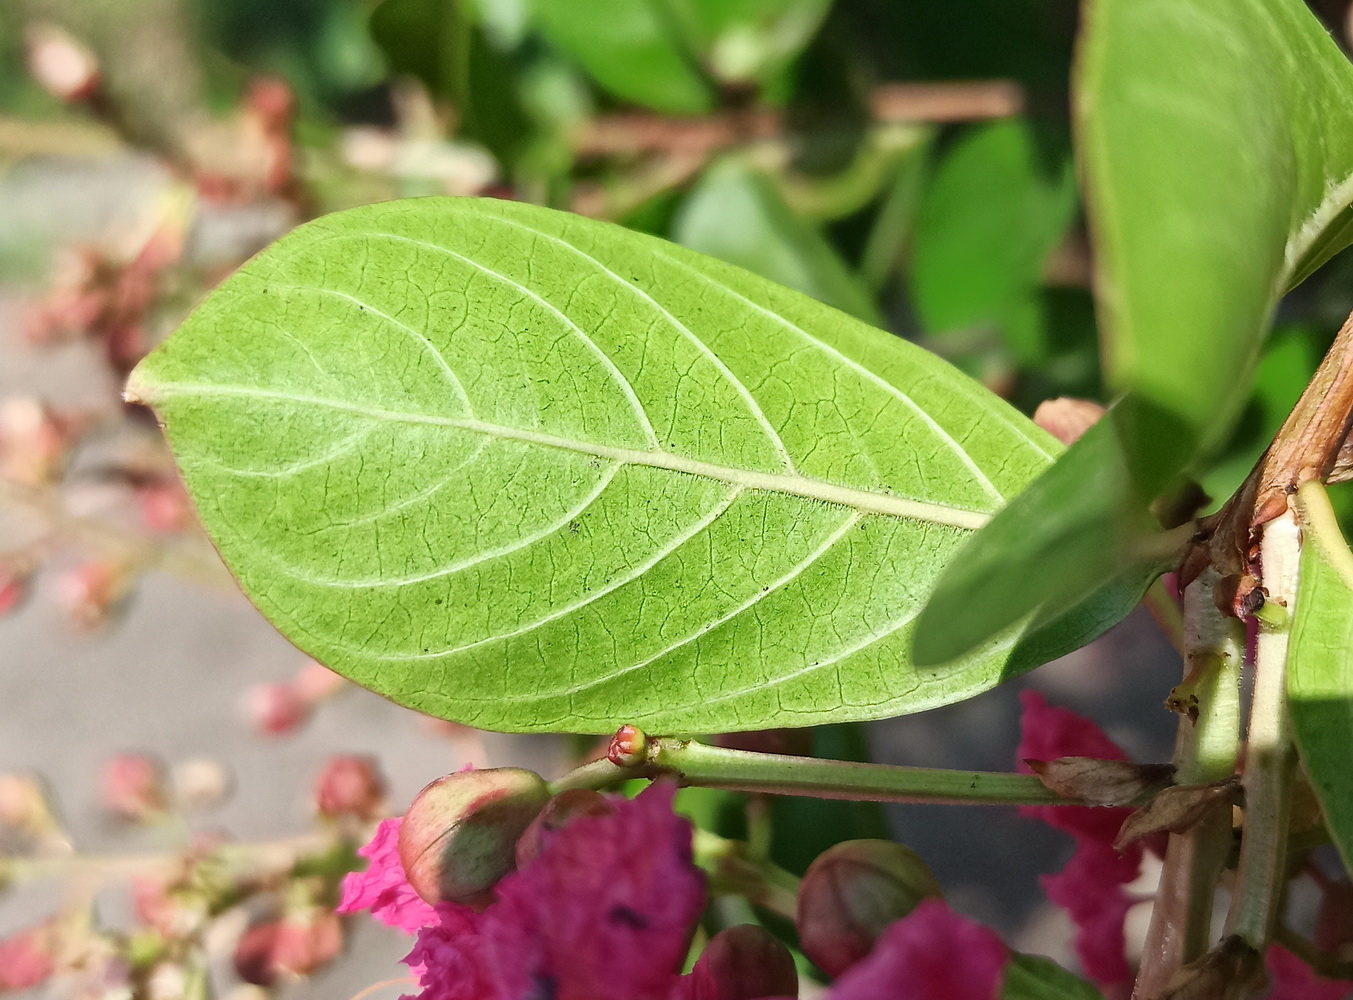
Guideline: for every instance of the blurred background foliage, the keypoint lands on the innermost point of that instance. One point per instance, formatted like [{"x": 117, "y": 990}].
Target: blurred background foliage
[{"x": 907, "y": 162}]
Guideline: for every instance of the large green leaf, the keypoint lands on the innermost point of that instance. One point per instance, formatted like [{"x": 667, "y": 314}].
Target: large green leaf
[
  {"x": 1320, "y": 664},
  {"x": 736, "y": 214},
  {"x": 531, "y": 471},
  {"x": 998, "y": 204},
  {"x": 1216, "y": 145}
]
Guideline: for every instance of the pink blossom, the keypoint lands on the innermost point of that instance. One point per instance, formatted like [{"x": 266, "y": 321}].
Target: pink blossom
[
  {"x": 382, "y": 888},
  {"x": 931, "y": 954},
  {"x": 604, "y": 913},
  {"x": 1090, "y": 887},
  {"x": 25, "y": 959},
  {"x": 1292, "y": 979}
]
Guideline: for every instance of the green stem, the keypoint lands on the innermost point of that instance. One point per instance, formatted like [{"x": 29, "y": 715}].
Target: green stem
[
  {"x": 1270, "y": 759},
  {"x": 595, "y": 775},
  {"x": 778, "y": 774},
  {"x": 734, "y": 871},
  {"x": 1205, "y": 752}
]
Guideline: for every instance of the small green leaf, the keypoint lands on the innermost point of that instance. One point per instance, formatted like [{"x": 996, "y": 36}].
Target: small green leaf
[
  {"x": 633, "y": 49},
  {"x": 749, "y": 40},
  {"x": 998, "y": 204},
  {"x": 1033, "y": 977},
  {"x": 1320, "y": 664},
  {"x": 531, "y": 471},
  {"x": 735, "y": 213}
]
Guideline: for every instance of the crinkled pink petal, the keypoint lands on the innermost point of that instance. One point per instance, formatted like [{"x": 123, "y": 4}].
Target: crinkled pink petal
[
  {"x": 382, "y": 888},
  {"x": 1292, "y": 979},
  {"x": 1090, "y": 889},
  {"x": 931, "y": 954},
  {"x": 604, "y": 913},
  {"x": 1048, "y": 732}
]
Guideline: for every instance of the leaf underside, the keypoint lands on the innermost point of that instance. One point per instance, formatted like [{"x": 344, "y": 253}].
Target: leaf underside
[{"x": 530, "y": 471}]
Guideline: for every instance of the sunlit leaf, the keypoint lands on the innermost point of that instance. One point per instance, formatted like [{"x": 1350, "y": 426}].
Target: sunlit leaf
[
  {"x": 531, "y": 471},
  {"x": 1320, "y": 664}
]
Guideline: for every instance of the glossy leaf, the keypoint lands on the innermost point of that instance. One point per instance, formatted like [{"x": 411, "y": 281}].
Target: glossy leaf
[
  {"x": 1216, "y": 145},
  {"x": 531, "y": 471},
  {"x": 636, "y": 51},
  {"x": 996, "y": 206},
  {"x": 735, "y": 213},
  {"x": 1320, "y": 664}
]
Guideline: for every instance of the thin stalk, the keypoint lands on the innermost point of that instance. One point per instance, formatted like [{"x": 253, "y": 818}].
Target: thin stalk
[
  {"x": 1270, "y": 758},
  {"x": 699, "y": 764},
  {"x": 1205, "y": 752},
  {"x": 779, "y": 774}
]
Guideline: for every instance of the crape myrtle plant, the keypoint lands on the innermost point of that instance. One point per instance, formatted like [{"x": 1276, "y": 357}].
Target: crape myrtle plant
[{"x": 528, "y": 471}]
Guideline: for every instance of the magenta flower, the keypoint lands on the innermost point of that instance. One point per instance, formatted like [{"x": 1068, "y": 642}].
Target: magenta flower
[
  {"x": 604, "y": 913},
  {"x": 1090, "y": 887},
  {"x": 383, "y": 888},
  {"x": 930, "y": 954},
  {"x": 1292, "y": 979}
]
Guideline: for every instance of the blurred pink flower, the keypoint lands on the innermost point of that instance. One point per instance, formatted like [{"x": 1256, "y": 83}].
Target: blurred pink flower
[
  {"x": 382, "y": 888},
  {"x": 931, "y": 954},
  {"x": 1292, "y": 979},
  {"x": 25, "y": 959},
  {"x": 1090, "y": 887}
]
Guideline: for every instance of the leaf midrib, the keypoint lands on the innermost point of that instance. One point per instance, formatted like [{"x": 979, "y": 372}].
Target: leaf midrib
[{"x": 867, "y": 501}]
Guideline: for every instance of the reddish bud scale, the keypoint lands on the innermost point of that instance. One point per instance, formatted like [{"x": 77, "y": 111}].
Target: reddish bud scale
[
  {"x": 350, "y": 785},
  {"x": 628, "y": 746},
  {"x": 131, "y": 787}
]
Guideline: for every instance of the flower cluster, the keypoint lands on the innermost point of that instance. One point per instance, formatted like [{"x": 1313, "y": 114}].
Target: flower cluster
[{"x": 606, "y": 906}]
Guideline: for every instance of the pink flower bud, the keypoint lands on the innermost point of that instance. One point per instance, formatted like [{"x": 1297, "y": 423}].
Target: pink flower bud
[
  {"x": 315, "y": 682},
  {"x": 131, "y": 787},
  {"x": 459, "y": 836},
  {"x": 276, "y": 709},
  {"x": 628, "y": 746},
  {"x": 26, "y": 959},
  {"x": 557, "y": 814},
  {"x": 295, "y": 946},
  {"x": 93, "y": 592},
  {"x": 743, "y": 963},
  {"x": 62, "y": 66},
  {"x": 350, "y": 786},
  {"x": 165, "y": 508},
  {"x": 33, "y": 442},
  {"x": 14, "y": 579},
  {"x": 24, "y": 806},
  {"x": 851, "y": 893}
]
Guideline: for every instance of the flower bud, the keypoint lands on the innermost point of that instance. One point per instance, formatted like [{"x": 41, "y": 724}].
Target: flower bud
[
  {"x": 33, "y": 442},
  {"x": 131, "y": 787},
  {"x": 557, "y": 814},
  {"x": 26, "y": 958},
  {"x": 276, "y": 709},
  {"x": 24, "y": 806},
  {"x": 200, "y": 784},
  {"x": 744, "y": 963},
  {"x": 851, "y": 893},
  {"x": 93, "y": 592},
  {"x": 460, "y": 835},
  {"x": 15, "y": 576},
  {"x": 350, "y": 785},
  {"x": 61, "y": 65},
  {"x": 294, "y": 946}
]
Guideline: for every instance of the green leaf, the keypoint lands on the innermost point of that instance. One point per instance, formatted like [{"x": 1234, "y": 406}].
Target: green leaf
[
  {"x": 633, "y": 49},
  {"x": 1216, "y": 145},
  {"x": 1320, "y": 664},
  {"x": 1033, "y": 977},
  {"x": 531, "y": 471},
  {"x": 735, "y": 213},
  {"x": 998, "y": 204},
  {"x": 1217, "y": 148}
]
